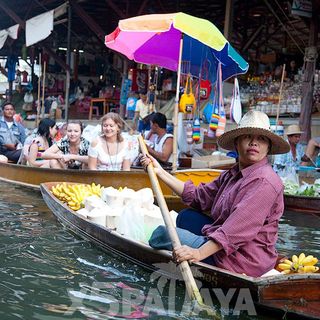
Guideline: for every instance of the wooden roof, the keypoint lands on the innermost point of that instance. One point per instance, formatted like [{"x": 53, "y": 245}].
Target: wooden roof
[{"x": 258, "y": 25}]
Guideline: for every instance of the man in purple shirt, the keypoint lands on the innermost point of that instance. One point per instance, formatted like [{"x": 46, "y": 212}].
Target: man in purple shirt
[{"x": 245, "y": 202}]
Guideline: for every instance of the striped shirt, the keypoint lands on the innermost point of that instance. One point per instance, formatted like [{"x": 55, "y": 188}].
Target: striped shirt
[{"x": 246, "y": 207}]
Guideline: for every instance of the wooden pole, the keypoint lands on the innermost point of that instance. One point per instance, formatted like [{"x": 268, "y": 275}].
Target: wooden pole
[
  {"x": 228, "y": 18},
  {"x": 43, "y": 88},
  {"x": 39, "y": 103},
  {"x": 176, "y": 109},
  {"x": 68, "y": 59},
  {"x": 280, "y": 94},
  {"x": 184, "y": 267}
]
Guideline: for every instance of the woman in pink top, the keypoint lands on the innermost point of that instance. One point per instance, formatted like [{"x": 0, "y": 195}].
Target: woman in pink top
[{"x": 245, "y": 202}]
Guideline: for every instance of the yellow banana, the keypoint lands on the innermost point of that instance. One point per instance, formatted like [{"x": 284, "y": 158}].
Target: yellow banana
[
  {"x": 285, "y": 271},
  {"x": 307, "y": 259},
  {"x": 294, "y": 259},
  {"x": 309, "y": 269},
  {"x": 311, "y": 263},
  {"x": 301, "y": 257},
  {"x": 284, "y": 266},
  {"x": 287, "y": 262}
]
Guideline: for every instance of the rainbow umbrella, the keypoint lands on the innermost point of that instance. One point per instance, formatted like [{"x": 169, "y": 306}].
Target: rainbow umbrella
[
  {"x": 167, "y": 39},
  {"x": 155, "y": 40}
]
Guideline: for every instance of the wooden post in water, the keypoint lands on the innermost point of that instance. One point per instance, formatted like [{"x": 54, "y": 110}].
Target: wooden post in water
[{"x": 310, "y": 60}]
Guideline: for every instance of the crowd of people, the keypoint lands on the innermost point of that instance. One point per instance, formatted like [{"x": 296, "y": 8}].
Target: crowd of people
[{"x": 62, "y": 146}]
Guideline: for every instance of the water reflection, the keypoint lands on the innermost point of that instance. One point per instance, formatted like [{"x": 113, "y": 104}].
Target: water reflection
[{"x": 47, "y": 272}]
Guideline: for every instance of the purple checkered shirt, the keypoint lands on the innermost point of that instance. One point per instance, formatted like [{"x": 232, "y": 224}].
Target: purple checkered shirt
[{"x": 246, "y": 207}]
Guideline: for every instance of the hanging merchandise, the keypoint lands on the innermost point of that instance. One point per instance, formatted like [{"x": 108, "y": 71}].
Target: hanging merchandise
[
  {"x": 235, "y": 106},
  {"x": 205, "y": 84},
  {"x": 187, "y": 100},
  {"x": 215, "y": 117},
  {"x": 222, "y": 119},
  {"x": 221, "y": 123},
  {"x": 213, "y": 125},
  {"x": 189, "y": 133},
  {"x": 196, "y": 122},
  {"x": 196, "y": 130}
]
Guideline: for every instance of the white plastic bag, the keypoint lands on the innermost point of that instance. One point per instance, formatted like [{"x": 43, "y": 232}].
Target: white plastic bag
[
  {"x": 235, "y": 107},
  {"x": 131, "y": 223}
]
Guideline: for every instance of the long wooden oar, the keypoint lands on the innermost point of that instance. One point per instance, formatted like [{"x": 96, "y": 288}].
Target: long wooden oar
[{"x": 192, "y": 289}]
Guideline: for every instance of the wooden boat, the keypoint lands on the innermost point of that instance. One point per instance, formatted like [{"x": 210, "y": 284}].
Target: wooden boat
[
  {"x": 302, "y": 203},
  {"x": 297, "y": 294},
  {"x": 33, "y": 177}
]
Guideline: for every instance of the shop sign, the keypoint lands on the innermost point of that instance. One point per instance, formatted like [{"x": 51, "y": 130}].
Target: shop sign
[
  {"x": 139, "y": 80},
  {"x": 302, "y": 8},
  {"x": 125, "y": 91}
]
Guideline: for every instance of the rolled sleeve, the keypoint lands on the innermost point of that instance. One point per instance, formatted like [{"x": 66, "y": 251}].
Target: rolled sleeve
[
  {"x": 202, "y": 196},
  {"x": 252, "y": 207}
]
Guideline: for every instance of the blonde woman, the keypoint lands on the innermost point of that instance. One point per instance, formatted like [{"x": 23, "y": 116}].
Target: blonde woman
[
  {"x": 109, "y": 151},
  {"x": 71, "y": 152}
]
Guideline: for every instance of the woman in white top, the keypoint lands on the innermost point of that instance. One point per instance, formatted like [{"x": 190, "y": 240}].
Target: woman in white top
[{"x": 109, "y": 151}]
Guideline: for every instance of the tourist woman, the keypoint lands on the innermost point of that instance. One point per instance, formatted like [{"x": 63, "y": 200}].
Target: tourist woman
[
  {"x": 109, "y": 151},
  {"x": 245, "y": 204},
  {"x": 46, "y": 132},
  {"x": 71, "y": 152}
]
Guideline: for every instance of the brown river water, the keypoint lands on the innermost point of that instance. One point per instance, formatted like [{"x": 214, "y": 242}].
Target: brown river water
[{"x": 47, "y": 272}]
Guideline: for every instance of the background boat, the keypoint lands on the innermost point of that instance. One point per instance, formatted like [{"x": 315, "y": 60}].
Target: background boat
[
  {"x": 302, "y": 203},
  {"x": 297, "y": 294},
  {"x": 33, "y": 177},
  {"x": 138, "y": 179}
]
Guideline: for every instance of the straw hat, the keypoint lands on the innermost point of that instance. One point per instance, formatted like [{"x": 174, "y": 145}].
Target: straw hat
[
  {"x": 293, "y": 129},
  {"x": 254, "y": 122}
]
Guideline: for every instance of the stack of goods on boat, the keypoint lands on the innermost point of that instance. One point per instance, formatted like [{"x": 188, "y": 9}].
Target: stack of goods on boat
[
  {"x": 306, "y": 189},
  {"x": 299, "y": 264},
  {"x": 129, "y": 212}
]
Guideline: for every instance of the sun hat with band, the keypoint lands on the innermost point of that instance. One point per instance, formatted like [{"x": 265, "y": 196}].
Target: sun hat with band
[
  {"x": 254, "y": 122},
  {"x": 293, "y": 129}
]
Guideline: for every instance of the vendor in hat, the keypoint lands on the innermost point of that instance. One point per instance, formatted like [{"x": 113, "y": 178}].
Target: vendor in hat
[
  {"x": 293, "y": 157},
  {"x": 245, "y": 204}
]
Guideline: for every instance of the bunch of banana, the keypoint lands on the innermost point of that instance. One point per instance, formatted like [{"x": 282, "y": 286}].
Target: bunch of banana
[
  {"x": 74, "y": 194},
  {"x": 301, "y": 264}
]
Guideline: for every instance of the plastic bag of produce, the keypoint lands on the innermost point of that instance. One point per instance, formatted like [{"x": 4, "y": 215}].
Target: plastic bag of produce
[
  {"x": 98, "y": 216},
  {"x": 94, "y": 201},
  {"x": 131, "y": 223},
  {"x": 146, "y": 197},
  {"x": 112, "y": 197}
]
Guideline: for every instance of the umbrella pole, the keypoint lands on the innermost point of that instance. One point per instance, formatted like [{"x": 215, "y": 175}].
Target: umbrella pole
[
  {"x": 176, "y": 108},
  {"x": 280, "y": 95},
  {"x": 39, "y": 102}
]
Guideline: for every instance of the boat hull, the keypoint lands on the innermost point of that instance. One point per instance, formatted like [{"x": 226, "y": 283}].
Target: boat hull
[
  {"x": 302, "y": 204},
  {"x": 297, "y": 294}
]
